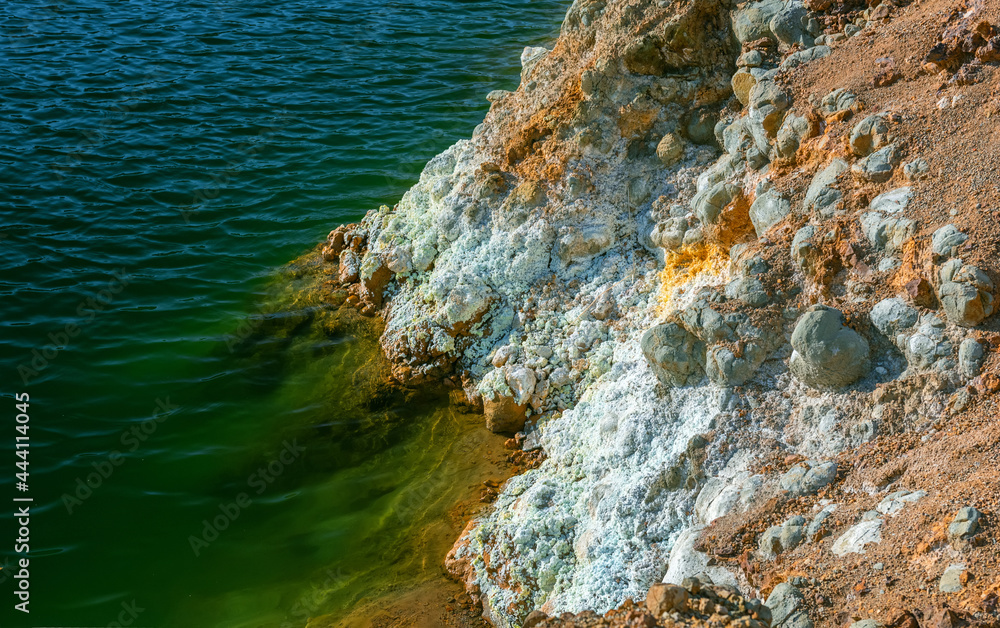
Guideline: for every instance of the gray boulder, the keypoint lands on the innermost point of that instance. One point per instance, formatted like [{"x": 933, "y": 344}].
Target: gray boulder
[
  {"x": 674, "y": 354},
  {"x": 853, "y": 541},
  {"x": 799, "y": 619},
  {"x": 823, "y": 195},
  {"x": 916, "y": 169},
  {"x": 750, "y": 59},
  {"x": 808, "y": 477},
  {"x": 784, "y": 601},
  {"x": 826, "y": 354},
  {"x": 836, "y": 101},
  {"x": 749, "y": 290},
  {"x": 768, "y": 92},
  {"x": 763, "y": 125},
  {"x": 897, "y": 500},
  {"x": 793, "y": 131},
  {"x": 708, "y": 204},
  {"x": 783, "y": 538},
  {"x": 927, "y": 346},
  {"x": 768, "y": 102},
  {"x": 816, "y": 524},
  {"x": 699, "y": 126},
  {"x": 752, "y": 22},
  {"x": 951, "y": 579},
  {"x": 803, "y": 249},
  {"x": 892, "y": 202},
  {"x": 767, "y": 209},
  {"x": 884, "y": 228},
  {"x": 735, "y": 139},
  {"x": 970, "y": 358},
  {"x": 789, "y": 25},
  {"x": 887, "y": 233},
  {"x": 963, "y": 304},
  {"x": 893, "y": 316},
  {"x": 669, "y": 234},
  {"x": 966, "y": 293},
  {"x": 724, "y": 368},
  {"x": 796, "y": 59},
  {"x": 946, "y": 240},
  {"x": 878, "y": 166},
  {"x": 869, "y": 135},
  {"x": 964, "y": 525}
]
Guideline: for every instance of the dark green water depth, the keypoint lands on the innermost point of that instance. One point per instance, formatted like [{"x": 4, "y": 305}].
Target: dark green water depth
[{"x": 207, "y": 446}]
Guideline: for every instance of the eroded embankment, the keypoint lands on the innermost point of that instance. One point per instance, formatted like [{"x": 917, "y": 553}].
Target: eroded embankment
[{"x": 718, "y": 257}]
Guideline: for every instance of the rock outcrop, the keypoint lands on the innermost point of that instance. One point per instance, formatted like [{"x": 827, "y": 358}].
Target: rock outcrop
[{"x": 733, "y": 270}]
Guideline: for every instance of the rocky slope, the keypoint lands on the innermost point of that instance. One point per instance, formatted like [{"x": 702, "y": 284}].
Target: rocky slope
[{"x": 731, "y": 267}]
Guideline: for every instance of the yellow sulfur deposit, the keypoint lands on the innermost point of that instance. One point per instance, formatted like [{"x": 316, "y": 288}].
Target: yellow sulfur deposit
[{"x": 690, "y": 267}]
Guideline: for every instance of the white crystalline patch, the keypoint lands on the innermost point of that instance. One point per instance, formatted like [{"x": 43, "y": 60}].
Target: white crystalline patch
[
  {"x": 591, "y": 526},
  {"x": 895, "y": 502},
  {"x": 893, "y": 201},
  {"x": 854, "y": 540},
  {"x": 686, "y": 294}
]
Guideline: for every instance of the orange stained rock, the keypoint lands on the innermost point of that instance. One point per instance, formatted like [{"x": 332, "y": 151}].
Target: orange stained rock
[
  {"x": 635, "y": 122},
  {"x": 684, "y": 266},
  {"x": 734, "y": 225}
]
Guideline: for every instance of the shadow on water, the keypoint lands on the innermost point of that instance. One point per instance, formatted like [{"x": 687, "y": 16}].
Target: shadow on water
[
  {"x": 303, "y": 330},
  {"x": 389, "y": 476}
]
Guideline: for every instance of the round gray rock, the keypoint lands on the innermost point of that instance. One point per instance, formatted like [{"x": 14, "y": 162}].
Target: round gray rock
[{"x": 826, "y": 354}]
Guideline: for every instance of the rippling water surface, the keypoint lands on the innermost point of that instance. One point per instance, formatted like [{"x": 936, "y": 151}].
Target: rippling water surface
[{"x": 158, "y": 162}]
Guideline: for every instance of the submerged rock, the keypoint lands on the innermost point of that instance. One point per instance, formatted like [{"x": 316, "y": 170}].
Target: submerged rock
[{"x": 503, "y": 414}]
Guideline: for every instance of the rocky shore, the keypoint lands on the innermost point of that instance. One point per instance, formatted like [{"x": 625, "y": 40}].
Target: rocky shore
[{"x": 726, "y": 274}]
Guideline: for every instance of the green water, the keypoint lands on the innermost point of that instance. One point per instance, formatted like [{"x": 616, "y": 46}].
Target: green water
[{"x": 159, "y": 166}]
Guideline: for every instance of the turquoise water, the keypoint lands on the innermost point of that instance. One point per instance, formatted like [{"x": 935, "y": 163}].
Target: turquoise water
[{"x": 159, "y": 163}]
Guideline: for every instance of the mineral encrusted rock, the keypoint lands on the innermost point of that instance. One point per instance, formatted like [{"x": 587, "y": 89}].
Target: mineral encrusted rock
[{"x": 827, "y": 354}]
